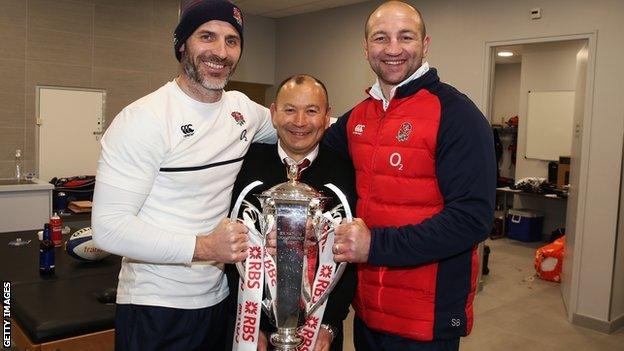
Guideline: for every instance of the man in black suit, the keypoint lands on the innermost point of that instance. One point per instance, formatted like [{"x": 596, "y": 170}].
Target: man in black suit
[{"x": 300, "y": 115}]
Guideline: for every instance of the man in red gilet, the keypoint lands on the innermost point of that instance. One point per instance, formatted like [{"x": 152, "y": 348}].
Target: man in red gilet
[{"x": 425, "y": 176}]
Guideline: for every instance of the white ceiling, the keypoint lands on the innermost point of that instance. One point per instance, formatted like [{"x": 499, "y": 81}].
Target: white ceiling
[
  {"x": 284, "y": 8},
  {"x": 522, "y": 49},
  {"x": 516, "y": 58}
]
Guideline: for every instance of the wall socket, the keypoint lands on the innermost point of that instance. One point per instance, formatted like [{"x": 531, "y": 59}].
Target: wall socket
[{"x": 536, "y": 13}]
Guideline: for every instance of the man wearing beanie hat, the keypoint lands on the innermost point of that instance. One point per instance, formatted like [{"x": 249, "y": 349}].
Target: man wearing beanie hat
[{"x": 164, "y": 182}]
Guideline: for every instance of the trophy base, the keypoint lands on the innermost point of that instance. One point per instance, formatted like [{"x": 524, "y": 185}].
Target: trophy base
[{"x": 286, "y": 339}]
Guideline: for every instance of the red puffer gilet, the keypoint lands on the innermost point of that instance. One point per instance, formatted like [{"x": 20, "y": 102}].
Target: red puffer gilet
[
  {"x": 426, "y": 183},
  {"x": 394, "y": 153}
]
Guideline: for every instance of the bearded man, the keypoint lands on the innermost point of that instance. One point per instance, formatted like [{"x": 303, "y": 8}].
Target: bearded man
[{"x": 164, "y": 182}]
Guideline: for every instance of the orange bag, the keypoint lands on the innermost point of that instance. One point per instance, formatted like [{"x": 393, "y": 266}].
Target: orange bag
[{"x": 549, "y": 260}]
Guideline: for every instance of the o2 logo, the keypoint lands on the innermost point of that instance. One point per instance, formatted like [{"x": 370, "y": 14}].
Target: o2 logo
[{"x": 396, "y": 161}]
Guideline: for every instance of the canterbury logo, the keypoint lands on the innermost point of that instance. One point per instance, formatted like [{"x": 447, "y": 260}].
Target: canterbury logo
[
  {"x": 359, "y": 129},
  {"x": 188, "y": 130}
]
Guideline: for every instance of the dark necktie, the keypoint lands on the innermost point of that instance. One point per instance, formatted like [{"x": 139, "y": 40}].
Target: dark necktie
[{"x": 305, "y": 163}]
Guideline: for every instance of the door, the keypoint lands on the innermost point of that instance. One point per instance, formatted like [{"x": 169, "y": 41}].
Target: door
[
  {"x": 572, "y": 225},
  {"x": 69, "y": 124}
]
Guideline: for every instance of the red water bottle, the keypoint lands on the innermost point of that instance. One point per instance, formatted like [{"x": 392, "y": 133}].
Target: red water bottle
[{"x": 56, "y": 226}]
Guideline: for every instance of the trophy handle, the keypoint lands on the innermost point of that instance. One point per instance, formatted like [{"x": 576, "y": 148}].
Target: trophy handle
[
  {"x": 241, "y": 197},
  {"x": 343, "y": 265},
  {"x": 339, "y": 271},
  {"x": 343, "y": 200},
  {"x": 234, "y": 216},
  {"x": 269, "y": 310}
]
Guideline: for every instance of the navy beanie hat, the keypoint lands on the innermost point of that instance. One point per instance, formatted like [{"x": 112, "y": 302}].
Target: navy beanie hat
[{"x": 198, "y": 12}]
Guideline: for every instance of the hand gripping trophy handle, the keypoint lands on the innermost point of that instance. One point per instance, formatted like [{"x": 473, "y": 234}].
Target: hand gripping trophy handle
[
  {"x": 234, "y": 217},
  {"x": 256, "y": 238}
]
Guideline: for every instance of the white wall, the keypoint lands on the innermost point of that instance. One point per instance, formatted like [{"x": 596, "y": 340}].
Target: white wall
[
  {"x": 328, "y": 44},
  {"x": 545, "y": 67},
  {"x": 617, "y": 298},
  {"x": 506, "y": 92},
  {"x": 504, "y": 106},
  {"x": 257, "y": 64}
]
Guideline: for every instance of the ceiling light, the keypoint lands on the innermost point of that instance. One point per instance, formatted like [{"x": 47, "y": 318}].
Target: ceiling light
[{"x": 505, "y": 54}]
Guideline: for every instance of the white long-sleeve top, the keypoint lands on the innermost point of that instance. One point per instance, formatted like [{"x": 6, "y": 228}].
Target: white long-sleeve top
[{"x": 165, "y": 175}]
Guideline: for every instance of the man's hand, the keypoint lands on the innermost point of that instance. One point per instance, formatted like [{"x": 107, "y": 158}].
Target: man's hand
[
  {"x": 263, "y": 343},
  {"x": 271, "y": 242},
  {"x": 352, "y": 242},
  {"x": 323, "y": 340},
  {"x": 228, "y": 243}
]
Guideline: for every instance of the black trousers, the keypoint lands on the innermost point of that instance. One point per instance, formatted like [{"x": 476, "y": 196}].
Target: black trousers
[
  {"x": 366, "y": 339},
  {"x": 147, "y": 328}
]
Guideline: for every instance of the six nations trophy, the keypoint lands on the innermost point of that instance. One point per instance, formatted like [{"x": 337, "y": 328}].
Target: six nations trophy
[{"x": 292, "y": 304}]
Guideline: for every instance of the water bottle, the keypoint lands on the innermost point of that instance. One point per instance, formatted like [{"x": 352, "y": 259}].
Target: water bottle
[
  {"x": 46, "y": 252},
  {"x": 18, "y": 164}
]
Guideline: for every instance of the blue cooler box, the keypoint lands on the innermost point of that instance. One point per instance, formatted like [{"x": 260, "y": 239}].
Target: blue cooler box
[{"x": 524, "y": 225}]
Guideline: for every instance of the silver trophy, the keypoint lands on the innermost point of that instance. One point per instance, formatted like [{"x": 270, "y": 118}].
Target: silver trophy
[{"x": 290, "y": 205}]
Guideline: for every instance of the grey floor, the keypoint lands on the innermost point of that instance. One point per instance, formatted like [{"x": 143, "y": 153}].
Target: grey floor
[{"x": 518, "y": 311}]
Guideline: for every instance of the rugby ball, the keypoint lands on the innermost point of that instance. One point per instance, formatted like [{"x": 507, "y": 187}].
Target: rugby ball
[{"x": 81, "y": 246}]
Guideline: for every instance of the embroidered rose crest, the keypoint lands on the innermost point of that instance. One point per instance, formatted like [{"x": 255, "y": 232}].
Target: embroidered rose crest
[
  {"x": 404, "y": 132},
  {"x": 238, "y": 16},
  {"x": 238, "y": 117}
]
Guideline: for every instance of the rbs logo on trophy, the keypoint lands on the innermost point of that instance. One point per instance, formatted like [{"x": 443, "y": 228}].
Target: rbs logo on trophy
[
  {"x": 323, "y": 282},
  {"x": 308, "y": 332},
  {"x": 271, "y": 272},
  {"x": 250, "y": 322},
  {"x": 254, "y": 273}
]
